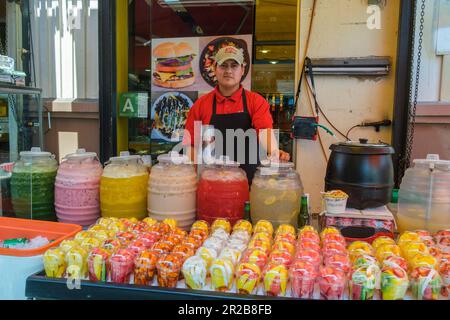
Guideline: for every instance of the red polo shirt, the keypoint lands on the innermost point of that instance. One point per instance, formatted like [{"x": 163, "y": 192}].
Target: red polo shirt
[{"x": 202, "y": 110}]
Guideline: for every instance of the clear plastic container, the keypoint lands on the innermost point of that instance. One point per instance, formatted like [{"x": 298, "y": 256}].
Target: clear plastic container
[
  {"x": 6, "y": 64},
  {"x": 275, "y": 194},
  {"x": 424, "y": 196},
  {"x": 169, "y": 269},
  {"x": 275, "y": 279},
  {"x": 172, "y": 190},
  {"x": 248, "y": 276},
  {"x": 331, "y": 283},
  {"x": 222, "y": 192},
  {"x": 194, "y": 271},
  {"x": 123, "y": 188},
  {"x": 33, "y": 184},
  {"x": 303, "y": 277},
  {"x": 122, "y": 266},
  {"x": 77, "y": 188}
]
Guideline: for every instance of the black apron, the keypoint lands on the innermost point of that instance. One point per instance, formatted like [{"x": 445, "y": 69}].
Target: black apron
[{"x": 235, "y": 121}]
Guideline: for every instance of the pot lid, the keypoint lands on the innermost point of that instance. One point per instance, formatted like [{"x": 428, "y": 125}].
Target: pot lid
[
  {"x": 124, "y": 156},
  {"x": 81, "y": 154},
  {"x": 174, "y": 158},
  {"x": 34, "y": 153},
  {"x": 363, "y": 146}
]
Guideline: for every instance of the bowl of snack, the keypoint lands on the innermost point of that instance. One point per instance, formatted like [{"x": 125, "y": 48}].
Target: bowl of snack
[{"x": 335, "y": 201}]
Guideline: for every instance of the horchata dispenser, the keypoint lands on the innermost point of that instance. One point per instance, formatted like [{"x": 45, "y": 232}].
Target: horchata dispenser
[{"x": 172, "y": 190}]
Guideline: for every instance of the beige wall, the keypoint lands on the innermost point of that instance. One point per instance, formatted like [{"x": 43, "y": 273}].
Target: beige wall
[
  {"x": 340, "y": 30},
  {"x": 75, "y": 124}
]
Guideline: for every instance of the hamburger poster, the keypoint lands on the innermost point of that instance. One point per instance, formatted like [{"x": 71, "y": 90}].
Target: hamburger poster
[
  {"x": 183, "y": 69},
  {"x": 187, "y": 64}
]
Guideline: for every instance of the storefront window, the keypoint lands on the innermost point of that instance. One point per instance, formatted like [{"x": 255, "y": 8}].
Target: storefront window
[
  {"x": 265, "y": 30},
  {"x": 21, "y": 125}
]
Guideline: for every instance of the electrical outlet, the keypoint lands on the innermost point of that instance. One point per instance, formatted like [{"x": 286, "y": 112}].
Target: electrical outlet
[{"x": 305, "y": 128}]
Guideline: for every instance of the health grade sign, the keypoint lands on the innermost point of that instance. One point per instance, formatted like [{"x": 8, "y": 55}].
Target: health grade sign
[{"x": 134, "y": 105}]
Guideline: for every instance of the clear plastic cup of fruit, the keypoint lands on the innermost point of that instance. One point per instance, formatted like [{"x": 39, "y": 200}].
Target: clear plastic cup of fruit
[
  {"x": 425, "y": 283},
  {"x": 169, "y": 268},
  {"x": 444, "y": 271},
  {"x": 303, "y": 276},
  {"x": 98, "y": 264},
  {"x": 122, "y": 265},
  {"x": 363, "y": 282},
  {"x": 339, "y": 261},
  {"x": 311, "y": 256},
  {"x": 332, "y": 283},
  {"x": 394, "y": 283},
  {"x": 248, "y": 276},
  {"x": 275, "y": 280},
  {"x": 194, "y": 271},
  {"x": 145, "y": 267}
]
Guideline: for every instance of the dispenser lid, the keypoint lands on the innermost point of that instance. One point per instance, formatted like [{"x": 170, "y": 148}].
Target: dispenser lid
[
  {"x": 277, "y": 164},
  {"x": 174, "y": 158},
  {"x": 4, "y": 174},
  {"x": 434, "y": 161},
  {"x": 81, "y": 154},
  {"x": 124, "y": 156},
  {"x": 35, "y": 153},
  {"x": 226, "y": 161},
  {"x": 362, "y": 146}
]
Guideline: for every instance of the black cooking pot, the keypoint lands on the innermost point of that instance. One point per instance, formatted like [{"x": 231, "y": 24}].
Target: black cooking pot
[{"x": 364, "y": 171}]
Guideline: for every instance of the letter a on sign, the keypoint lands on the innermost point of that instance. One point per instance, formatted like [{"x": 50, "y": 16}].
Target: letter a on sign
[{"x": 128, "y": 107}]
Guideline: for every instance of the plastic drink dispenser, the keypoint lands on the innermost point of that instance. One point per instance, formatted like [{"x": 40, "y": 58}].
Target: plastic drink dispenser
[
  {"x": 123, "y": 187},
  {"x": 172, "y": 190},
  {"x": 424, "y": 196},
  {"x": 222, "y": 191},
  {"x": 77, "y": 188},
  {"x": 32, "y": 185},
  {"x": 275, "y": 194}
]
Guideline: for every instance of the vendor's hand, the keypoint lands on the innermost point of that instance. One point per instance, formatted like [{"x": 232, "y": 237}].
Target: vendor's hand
[{"x": 281, "y": 156}]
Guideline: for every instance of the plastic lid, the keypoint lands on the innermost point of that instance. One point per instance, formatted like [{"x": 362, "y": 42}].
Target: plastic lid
[
  {"x": 124, "y": 156},
  {"x": 226, "y": 161},
  {"x": 4, "y": 174},
  {"x": 35, "y": 152},
  {"x": 433, "y": 161},
  {"x": 362, "y": 147},
  {"x": 277, "y": 164},
  {"x": 174, "y": 158},
  {"x": 81, "y": 154}
]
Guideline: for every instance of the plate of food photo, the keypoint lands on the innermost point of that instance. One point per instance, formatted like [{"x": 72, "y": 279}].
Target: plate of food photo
[
  {"x": 170, "y": 113},
  {"x": 207, "y": 69}
]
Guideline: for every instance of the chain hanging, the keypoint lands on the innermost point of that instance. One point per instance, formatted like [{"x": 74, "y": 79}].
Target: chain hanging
[{"x": 413, "y": 90}]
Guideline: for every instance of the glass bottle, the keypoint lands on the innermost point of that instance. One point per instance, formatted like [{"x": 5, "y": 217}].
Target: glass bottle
[
  {"x": 247, "y": 211},
  {"x": 304, "y": 218}
]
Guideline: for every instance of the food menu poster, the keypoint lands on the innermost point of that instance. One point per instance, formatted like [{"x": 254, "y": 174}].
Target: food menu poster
[{"x": 183, "y": 71}]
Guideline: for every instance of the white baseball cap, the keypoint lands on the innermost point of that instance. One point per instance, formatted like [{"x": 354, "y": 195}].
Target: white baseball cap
[{"x": 229, "y": 53}]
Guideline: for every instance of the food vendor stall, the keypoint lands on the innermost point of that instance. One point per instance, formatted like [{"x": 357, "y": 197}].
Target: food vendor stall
[{"x": 140, "y": 237}]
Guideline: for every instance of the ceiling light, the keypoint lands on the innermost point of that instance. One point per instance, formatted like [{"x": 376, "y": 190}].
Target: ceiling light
[
  {"x": 264, "y": 51},
  {"x": 273, "y": 62}
]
